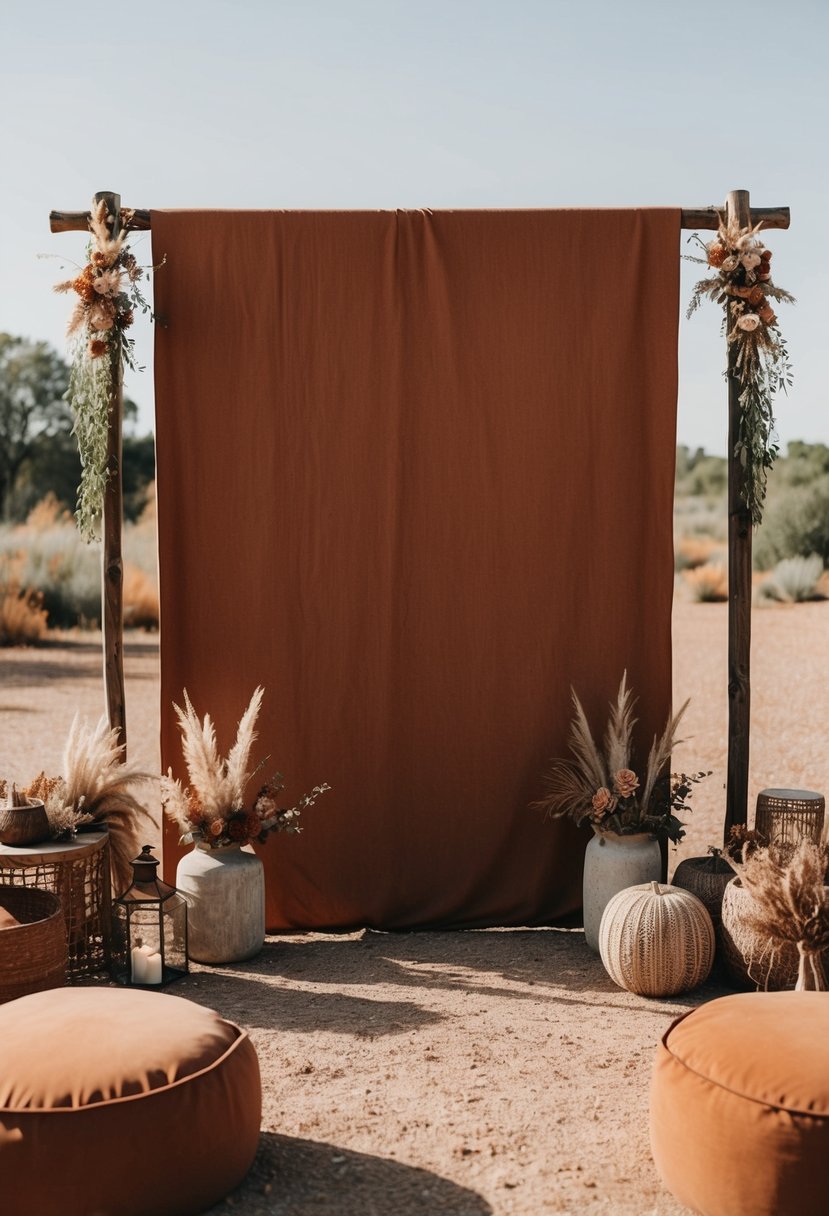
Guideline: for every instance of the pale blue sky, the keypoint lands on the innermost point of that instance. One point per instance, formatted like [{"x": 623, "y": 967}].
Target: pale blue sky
[{"x": 438, "y": 103}]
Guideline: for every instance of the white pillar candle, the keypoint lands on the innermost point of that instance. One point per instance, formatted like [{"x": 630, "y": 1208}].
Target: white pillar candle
[
  {"x": 152, "y": 972},
  {"x": 139, "y": 957}
]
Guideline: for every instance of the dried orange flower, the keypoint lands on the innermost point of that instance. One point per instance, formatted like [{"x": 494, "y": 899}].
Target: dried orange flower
[
  {"x": 716, "y": 254},
  {"x": 96, "y": 348}
]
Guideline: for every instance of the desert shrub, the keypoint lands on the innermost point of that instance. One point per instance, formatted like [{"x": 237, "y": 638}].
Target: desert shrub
[
  {"x": 22, "y": 617},
  {"x": 47, "y": 554},
  {"x": 66, "y": 572},
  {"x": 708, "y": 584},
  {"x": 796, "y": 524},
  {"x": 701, "y": 517},
  {"x": 693, "y": 551},
  {"x": 140, "y": 599},
  {"x": 794, "y": 580}
]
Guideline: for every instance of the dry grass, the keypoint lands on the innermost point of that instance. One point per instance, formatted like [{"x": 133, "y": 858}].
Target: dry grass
[
  {"x": 22, "y": 619},
  {"x": 708, "y": 584},
  {"x": 141, "y": 609},
  {"x": 695, "y": 551}
]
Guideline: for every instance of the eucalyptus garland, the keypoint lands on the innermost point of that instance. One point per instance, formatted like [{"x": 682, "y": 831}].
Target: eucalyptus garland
[
  {"x": 743, "y": 286},
  {"x": 108, "y": 295}
]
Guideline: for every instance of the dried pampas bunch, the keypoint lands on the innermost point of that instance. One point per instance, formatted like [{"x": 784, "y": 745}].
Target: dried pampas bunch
[
  {"x": 96, "y": 788},
  {"x": 213, "y": 811},
  {"x": 790, "y": 903},
  {"x": 600, "y": 784},
  {"x": 217, "y": 785}
]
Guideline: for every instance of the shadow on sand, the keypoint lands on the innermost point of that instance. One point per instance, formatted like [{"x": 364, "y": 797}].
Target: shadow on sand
[{"x": 310, "y": 1178}]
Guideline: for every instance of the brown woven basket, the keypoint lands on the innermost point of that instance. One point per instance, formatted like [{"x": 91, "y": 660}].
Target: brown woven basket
[
  {"x": 785, "y": 817},
  {"x": 751, "y": 960},
  {"x": 707, "y": 878},
  {"x": 33, "y": 953}
]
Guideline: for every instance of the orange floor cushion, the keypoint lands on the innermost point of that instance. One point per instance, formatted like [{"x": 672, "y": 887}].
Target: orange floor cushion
[
  {"x": 740, "y": 1106},
  {"x": 116, "y": 1102}
]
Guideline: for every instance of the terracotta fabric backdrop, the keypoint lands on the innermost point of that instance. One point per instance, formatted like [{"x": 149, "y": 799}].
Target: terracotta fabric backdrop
[{"x": 415, "y": 476}]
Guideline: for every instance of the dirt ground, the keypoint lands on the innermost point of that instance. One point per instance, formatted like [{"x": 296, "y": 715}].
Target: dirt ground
[{"x": 463, "y": 1073}]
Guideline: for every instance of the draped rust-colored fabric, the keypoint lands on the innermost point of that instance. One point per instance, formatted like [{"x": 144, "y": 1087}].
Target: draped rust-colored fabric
[{"x": 415, "y": 476}]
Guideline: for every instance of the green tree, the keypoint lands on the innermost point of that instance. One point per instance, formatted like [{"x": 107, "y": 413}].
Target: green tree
[
  {"x": 38, "y": 452},
  {"x": 33, "y": 381}
]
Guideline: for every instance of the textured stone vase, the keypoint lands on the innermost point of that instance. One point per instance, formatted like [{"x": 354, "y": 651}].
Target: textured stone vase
[
  {"x": 225, "y": 893},
  {"x": 612, "y": 863}
]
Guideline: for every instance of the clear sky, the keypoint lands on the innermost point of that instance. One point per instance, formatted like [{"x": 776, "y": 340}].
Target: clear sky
[{"x": 433, "y": 103}]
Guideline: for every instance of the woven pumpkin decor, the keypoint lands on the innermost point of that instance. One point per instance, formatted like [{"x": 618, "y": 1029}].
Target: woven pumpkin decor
[{"x": 656, "y": 940}]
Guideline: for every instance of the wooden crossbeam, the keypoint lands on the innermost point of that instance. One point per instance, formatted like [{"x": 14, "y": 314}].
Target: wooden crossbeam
[
  {"x": 709, "y": 217},
  {"x": 78, "y": 221},
  {"x": 700, "y": 217}
]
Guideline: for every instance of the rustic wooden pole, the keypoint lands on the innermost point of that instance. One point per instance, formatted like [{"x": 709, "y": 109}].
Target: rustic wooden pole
[
  {"x": 112, "y": 604},
  {"x": 737, "y": 207},
  {"x": 112, "y": 598}
]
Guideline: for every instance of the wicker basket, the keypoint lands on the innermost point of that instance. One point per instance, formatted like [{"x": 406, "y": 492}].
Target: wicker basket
[
  {"x": 33, "y": 953},
  {"x": 707, "y": 878},
  {"x": 751, "y": 960},
  {"x": 77, "y": 872},
  {"x": 785, "y": 817}
]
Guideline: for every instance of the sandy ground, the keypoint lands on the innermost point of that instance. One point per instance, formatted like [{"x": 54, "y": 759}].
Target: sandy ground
[{"x": 464, "y": 1073}]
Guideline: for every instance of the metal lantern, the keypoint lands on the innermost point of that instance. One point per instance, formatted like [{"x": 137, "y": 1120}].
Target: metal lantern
[{"x": 149, "y": 923}]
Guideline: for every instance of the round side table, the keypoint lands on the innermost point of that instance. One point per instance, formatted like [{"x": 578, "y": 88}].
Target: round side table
[{"x": 78, "y": 872}]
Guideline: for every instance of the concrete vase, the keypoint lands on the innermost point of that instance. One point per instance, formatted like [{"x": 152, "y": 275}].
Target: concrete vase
[{"x": 225, "y": 893}]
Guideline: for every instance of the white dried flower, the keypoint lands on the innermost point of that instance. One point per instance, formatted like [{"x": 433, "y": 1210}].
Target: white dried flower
[
  {"x": 730, "y": 263},
  {"x": 748, "y": 321},
  {"x": 750, "y": 260}
]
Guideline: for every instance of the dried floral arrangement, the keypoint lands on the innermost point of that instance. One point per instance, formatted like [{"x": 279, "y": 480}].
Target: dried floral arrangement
[
  {"x": 96, "y": 789},
  {"x": 108, "y": 295},
  {"x": 742, "y": 284},
  {"x": 790, "y": 901},
  {"x": 212, "y": 809},
  {"x": 600, "y": 784}
]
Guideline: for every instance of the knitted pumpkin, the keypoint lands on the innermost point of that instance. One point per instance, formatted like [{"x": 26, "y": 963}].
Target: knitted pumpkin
[{"x": 656, "y": 940}]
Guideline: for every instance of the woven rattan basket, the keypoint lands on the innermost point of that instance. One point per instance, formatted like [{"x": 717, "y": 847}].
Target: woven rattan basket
[
  {"x": 707, "y": 878},
  {"x": 751, "y": 960},
  {"x": 785, "y": 817},
  {"x": 33, "y": 953}
]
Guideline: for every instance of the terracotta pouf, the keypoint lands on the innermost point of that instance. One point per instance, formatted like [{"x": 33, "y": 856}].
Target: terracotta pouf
[
  {"x": 116, "y": 1102},
  {"x": 740, "y": 1106}
]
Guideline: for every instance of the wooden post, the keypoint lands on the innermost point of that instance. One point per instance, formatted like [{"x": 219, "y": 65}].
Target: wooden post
[
  {"x": 112, "y": 598},
  {"x": 737, "y": 208},
  {"x": 112, "y": 588}
]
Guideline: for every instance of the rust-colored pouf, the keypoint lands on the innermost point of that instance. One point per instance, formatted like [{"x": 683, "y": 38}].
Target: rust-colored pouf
[
  {"x": 122, "y": 1103},
  {"x": 740, "y": 1106}
]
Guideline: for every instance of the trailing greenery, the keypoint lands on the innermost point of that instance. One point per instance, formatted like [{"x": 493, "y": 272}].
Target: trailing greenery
[{"x": 741, "y": 284}]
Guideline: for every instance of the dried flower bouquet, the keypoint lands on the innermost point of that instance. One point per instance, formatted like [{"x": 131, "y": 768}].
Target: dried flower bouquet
[
  {"x": 742, "y": 284},
  {"x": 600, "y": 785},
  {"x": 212, "y": 809},
  {"x": 108, "y": 294}
]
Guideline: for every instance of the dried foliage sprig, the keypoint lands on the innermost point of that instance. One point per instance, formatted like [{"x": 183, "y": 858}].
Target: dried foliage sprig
[
  {"x": 790, "y": 902},
  {"x": 743, "y": 286},
  {"x": 97, "y": 788},
  {"x": 212, "y": 809},
  {"x": 600, "y": 784},
  {"x": 108, "y": 294}
]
